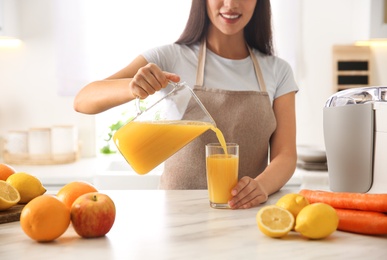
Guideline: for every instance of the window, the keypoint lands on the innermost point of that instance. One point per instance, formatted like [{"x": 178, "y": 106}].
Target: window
[{"x": 102, "y": 36}]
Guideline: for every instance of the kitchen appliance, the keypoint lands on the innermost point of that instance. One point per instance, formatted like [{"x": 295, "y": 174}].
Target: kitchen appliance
[{"x": 355, "y": 133}]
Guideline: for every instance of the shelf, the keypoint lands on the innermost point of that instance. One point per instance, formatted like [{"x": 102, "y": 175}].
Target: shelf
[{"x": 351, "y": 66}]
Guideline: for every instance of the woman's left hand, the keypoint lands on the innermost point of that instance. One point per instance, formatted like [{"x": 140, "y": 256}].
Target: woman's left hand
[{"x": 247, "y": 193}]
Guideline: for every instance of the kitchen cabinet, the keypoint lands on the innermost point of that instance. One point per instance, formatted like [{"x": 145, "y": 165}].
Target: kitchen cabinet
[
  {"x": 351, "y": 66},
  {"x": 180, "y": 224}
]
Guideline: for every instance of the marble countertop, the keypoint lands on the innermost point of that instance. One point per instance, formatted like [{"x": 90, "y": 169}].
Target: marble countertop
[{"x": 157, "y": 224}]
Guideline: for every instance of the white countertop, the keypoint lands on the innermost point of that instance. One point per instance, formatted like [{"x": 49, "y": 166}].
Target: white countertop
[
  {"x": 156, "y": 224},
  {"x": 113, "y": 172}
]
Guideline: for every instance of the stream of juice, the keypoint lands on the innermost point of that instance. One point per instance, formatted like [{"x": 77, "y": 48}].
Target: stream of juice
[
  {"x": 220, "y": 137},
  {"x": 145, "y": 145}
]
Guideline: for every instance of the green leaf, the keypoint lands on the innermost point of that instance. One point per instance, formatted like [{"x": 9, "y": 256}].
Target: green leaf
[{"x": 106, "y": 150}]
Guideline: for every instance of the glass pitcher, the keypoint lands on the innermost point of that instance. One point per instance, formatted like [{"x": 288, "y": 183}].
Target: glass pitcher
[{"x": 162, "y": 129}]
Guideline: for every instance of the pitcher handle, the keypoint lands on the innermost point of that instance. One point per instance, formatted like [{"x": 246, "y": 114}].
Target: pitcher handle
[
  {"x": 175, "y": 86},
  {"x": 138, "y": 107}
]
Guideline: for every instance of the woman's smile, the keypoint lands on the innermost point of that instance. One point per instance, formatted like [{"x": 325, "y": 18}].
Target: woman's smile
[{"x": 230, "y": 17}]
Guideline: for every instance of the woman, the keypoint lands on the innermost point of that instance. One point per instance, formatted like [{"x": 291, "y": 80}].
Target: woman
[{"x": 226, "y": 52}]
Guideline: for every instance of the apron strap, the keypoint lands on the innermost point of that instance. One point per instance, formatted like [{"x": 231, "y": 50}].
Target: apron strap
[
  {"x": 202, "y": 60},
  {"x": 258, "y": 72}
]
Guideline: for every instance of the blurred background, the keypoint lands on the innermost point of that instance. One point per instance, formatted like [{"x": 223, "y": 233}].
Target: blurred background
[{"x": 49, "y": 49}]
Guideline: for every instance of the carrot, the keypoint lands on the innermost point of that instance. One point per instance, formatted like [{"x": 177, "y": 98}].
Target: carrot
[
  {"x": 362, "y": 222},
  {"x": 348, "y": 200}
]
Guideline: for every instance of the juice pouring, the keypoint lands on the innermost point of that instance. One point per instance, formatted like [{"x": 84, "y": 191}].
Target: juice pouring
[
  {"x": 147, "y": 143},
  {"x": 221, "y": 139}
]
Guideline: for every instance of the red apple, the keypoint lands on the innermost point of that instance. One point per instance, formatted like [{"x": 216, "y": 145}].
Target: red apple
[{"x": 93, "y": 214}]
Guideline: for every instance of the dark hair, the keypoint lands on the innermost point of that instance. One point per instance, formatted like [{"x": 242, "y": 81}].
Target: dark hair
[{"x": 258, "y": 32}]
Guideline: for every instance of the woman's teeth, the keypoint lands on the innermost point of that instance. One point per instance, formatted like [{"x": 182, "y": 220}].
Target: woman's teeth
[{"x": 231, "y": 16}]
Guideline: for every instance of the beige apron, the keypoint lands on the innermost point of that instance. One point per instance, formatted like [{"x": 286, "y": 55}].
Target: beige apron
[{"x": 244, "y": 117}]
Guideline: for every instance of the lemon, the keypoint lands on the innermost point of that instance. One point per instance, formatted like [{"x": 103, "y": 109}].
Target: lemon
[
  {"x": 9, "y": 196},
  {"x": 274, "y": 221},
  {"x": 27, "y": 185},
  {"x": 293, "y": 202},
  {"x": 317, "y": 221}
]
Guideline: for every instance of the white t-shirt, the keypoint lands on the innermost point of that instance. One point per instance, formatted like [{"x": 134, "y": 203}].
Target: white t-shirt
[{"x": 224, "y": 73}]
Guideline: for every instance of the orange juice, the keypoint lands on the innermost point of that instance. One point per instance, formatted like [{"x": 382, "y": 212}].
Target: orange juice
[
  {"x": 145, "y": 145},
  {"x": 222, "y": 176},
  {"x": 221, "y": 139}
]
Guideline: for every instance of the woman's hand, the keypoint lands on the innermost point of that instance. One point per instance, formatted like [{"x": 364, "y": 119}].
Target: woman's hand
[
  {"x": 150, "y": 79},
  {"x": 247, "y": 193}
]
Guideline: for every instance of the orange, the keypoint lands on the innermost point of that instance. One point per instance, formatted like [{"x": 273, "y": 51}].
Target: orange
[
  {"x": 5, "y": 171},
  {"x": 71, "y": 191},
  {"x": 45, "y": 218}
]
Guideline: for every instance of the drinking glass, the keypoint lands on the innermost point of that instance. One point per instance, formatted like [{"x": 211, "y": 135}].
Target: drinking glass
[{"x": 222, "y": 173}]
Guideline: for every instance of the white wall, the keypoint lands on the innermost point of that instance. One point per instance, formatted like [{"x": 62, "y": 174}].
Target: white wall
[
  {"x": 67, "y": 44},
  {"x": 324, "y": 24},
  {"x": 29, "y": 81}
]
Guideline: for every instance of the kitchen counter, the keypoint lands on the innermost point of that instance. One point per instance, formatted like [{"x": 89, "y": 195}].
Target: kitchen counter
[
  {"x": 157, "y": 224},
  {"x": 105, "y": 172},
  {"x": 57, "y": 175},
  {"x": 112, "y": 172}
]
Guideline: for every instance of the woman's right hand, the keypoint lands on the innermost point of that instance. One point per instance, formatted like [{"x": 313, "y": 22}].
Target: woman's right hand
[
  {"x": 142, "y": 78},
  {"x": 150, "y": 79}
]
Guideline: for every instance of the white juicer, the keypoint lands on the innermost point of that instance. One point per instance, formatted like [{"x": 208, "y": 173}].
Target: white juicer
[{"x": 355, "y": 134}]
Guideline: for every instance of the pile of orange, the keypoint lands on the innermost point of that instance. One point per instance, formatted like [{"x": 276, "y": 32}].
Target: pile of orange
[{"x": 47, "y": 217}]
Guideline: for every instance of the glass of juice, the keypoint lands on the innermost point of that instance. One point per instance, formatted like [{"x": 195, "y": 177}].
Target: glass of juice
[
  {"x": 222, "y": 173},
  {"x": 163, "y": 128}
]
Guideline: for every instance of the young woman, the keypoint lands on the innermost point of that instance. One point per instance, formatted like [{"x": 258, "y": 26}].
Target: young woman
[{"x": 226, "y": 53}]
